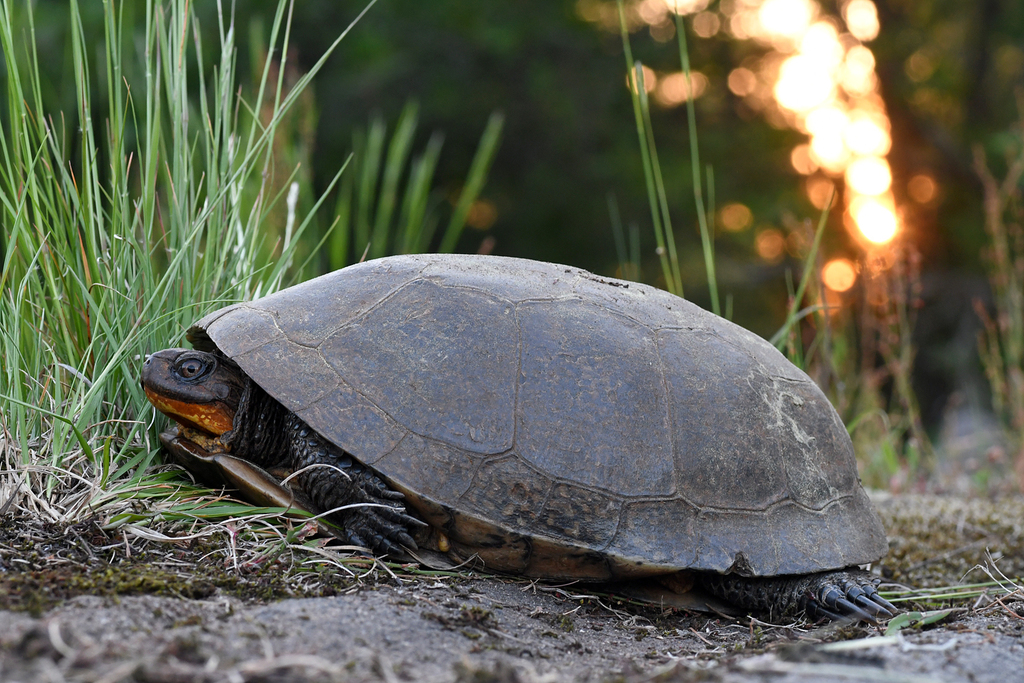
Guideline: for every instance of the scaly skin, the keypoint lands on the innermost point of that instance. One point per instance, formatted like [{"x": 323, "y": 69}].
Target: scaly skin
[
  {"x": 849, "y": 594},
  {"x": 373, "y": 515}
]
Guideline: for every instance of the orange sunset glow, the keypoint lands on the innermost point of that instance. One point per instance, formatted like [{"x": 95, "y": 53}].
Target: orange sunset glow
[{"x": 817, "y": 76}]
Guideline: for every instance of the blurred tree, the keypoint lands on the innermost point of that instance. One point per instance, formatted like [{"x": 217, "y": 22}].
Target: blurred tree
[
  {"x": 950, "y": 74},
  {"x": 568, "y": 139}
]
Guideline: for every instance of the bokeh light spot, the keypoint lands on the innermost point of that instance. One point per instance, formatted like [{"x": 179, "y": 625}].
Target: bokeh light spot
[
  {"x": 770, "y": 245},
  {"x": 869, "y": 175},
  {"x": 839, "y": 274},
  {"x": 829, "y": 151},
  {"x": 786, "y": 18},
  {"x": 867, "y": 134},
  {"x": 919, "y": 66},
  {"x": 821, "y": 42},
  {"x": 922, "y": 188},
  {"x": 858, "y": 75},
  {"x": 862, "y": 19},
  {"x": 674, "y": 89},
  {"x": 819, "y": 191},
  {"x": 650, "y": 79},
  {"x": 804, "y": 83},
  {"x": 801, "y": 159},
  {"x": 707, "y": 24},
  {"x": 653, "y": 12},
  {"x": 663, "y": 32},
  {"x": 1009, "y": 62},
  {"x": 482, "y": 214},
  {"x": 687, "y": 6},
  {"x": 875, "y": 220},
  {"x": 745, "y": 24},
  {"x": 742, "y": 81},
  {"x": 828, "y": 120},
  {"x": 735, "y": 217}
]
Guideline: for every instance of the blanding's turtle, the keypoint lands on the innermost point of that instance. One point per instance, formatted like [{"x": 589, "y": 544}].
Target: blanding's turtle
[{"x": 540, "y": 419}]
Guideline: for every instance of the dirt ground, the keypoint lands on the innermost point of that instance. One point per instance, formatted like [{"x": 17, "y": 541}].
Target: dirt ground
[{"x": 464, "y": 628}]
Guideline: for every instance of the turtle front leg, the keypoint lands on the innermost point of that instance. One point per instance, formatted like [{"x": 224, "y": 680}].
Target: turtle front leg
[
  {"x": 372, "y": 515},
  {"x": 848, "y": 594}
]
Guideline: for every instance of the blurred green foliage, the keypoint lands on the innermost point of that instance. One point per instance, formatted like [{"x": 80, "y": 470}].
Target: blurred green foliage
[
  {"x": 951, "y": 75},
  {"x": 568, "y": 139}
]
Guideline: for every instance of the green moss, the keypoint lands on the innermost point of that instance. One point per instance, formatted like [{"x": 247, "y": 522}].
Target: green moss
[{"x": 49, "y": 564}]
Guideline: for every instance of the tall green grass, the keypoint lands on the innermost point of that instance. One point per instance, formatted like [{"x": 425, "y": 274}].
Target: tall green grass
[
  {"x": 377, "y": 216},
  {"x": 658, "y": 198},
  {"x": 890, "y": 437},
  {"x": 122, "y": 221},
  {"x": 160, "y": 198}
]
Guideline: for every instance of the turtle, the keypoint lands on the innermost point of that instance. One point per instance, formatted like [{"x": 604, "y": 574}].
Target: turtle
[{"x": 540, "y": 420}]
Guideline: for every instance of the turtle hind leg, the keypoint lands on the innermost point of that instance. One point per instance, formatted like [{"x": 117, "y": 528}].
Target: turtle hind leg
[
  {"x": 371, "y": 514},
  {"x": 848, "y": 594}
]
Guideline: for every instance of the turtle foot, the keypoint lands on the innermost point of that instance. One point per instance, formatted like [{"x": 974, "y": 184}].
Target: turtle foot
[
  {"x": 378, "y": 524},
  {"x": 382, "y": 524},
  {"x": 380, "y": 536},
  {"x": 371, "y": 518},
  {"x": 371, "y": 514},
  {"x": 849, "y": 594},
  {"x": 846, "y": 595}
]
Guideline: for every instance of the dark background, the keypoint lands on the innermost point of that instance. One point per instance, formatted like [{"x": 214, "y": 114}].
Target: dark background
[{"x": 569, "y": 138}]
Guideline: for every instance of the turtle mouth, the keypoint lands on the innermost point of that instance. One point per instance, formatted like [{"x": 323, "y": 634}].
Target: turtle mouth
[
  {"x": 198, "y": 442},
  {"x": 210, "y": 420}
]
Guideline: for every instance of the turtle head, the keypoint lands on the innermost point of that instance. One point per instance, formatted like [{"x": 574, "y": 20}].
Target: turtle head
[{"x": 198, "y": 390}]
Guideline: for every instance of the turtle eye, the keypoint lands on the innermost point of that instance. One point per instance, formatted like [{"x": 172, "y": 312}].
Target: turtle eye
[{"x": 192, "y": 368}]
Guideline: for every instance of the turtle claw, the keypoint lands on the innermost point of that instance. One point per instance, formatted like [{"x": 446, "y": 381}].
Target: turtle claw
[
  {"x": 379, "y": 545},
  {"x": 846, "y": 595},
  {"x": 398, "y": 515},
  {"x": 407, "y": 541},
  {"x": 385, "y": 526},
  {"x": 377, "y": 535},
  {"x": 413, "y": 521},
  {"x": 852, "y": 610},
  {"x": 820, "y": 612},
  {"x": 884, "y": 605},
  {"x": 388, "y": 546},
  {"x": 876, "y": 604},
  {"x": 862, "y": 598},
  {"x": 356, "y": 540},
  {"x": 865, "y": 603},
  {"x": 866, "y": 595},
  {"x": 889, "y": 607}
]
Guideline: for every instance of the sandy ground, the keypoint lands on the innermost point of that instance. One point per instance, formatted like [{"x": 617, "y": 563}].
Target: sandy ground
[
  {"x": 485, "y": 629},
  {"x": 477, "y": 630}
]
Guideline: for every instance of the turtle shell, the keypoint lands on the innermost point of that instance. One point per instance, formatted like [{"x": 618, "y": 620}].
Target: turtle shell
[{"x": 559, "y": 424}]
